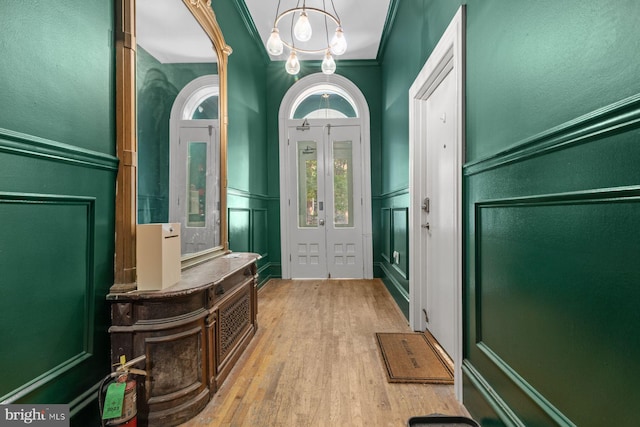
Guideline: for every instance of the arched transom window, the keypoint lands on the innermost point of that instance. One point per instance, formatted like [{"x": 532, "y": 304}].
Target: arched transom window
[{"x": 324, "y": 102}]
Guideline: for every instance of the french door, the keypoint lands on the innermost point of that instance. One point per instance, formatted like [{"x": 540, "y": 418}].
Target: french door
[
  {"x": 325, "y": 200},
  {"x": 194, "y": 184}
]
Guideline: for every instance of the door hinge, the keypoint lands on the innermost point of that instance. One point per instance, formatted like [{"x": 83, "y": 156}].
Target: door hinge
[
  {"x": 304, "y": 126},
  {"x": 210, "y": 130},
  {"x": 426, "y": 316}
]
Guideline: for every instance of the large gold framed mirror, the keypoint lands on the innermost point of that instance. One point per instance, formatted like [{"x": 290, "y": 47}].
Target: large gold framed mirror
[{"x": 171, "y": 98}]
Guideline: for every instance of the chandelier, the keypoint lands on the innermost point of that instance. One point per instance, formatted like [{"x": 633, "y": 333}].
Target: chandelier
[{"x": 302, "y": 31}]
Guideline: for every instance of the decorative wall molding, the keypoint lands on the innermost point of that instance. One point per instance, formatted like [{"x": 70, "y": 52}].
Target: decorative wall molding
[
  {"x": 86, "y": 398},
  {"x": 493, "y": 399},
  {"x": 241, "y": 6},
  {"x": 44, "y": 379},
  {"x": 615, "y": 118},
  {"x": 248, "y": 195},
  {"x": 235, "y": 214},
  {"x": 385, "y": 219},
  {"x": 533, "y": 394},
  {"x": 32, "y": 146},
  {"x": 589, "y": 200},
  {"x": 393, "y": 193},
  {"x": 399, "y": 231},
  {"x": 386, "y": 30},
  {"x": 397, "y": 285},
  {"x": 260, "y": 224},
  {"x": 589, "y": 196},
  {"x": 253, "y": 218},
  {"x": 84, "y": 339}
]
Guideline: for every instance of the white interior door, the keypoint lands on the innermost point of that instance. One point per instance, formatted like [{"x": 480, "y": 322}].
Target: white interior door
[
  {"x": 438, "y": 235},
  {"x": 325, "y": 198},
  {"x": 194, "y": 181}
]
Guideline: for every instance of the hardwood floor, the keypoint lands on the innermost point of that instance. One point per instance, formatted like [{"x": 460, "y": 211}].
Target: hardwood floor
[{"x": 314, "y": 362}]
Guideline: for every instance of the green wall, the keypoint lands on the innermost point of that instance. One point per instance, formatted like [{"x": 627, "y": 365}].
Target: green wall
[
  {"x": 256, "y": 89},
  {"x": 552, "y": 190},
  {"x": 551, "y": 198},
  {"x": 57, "y": 181},
  {"x": 252, "y": 207}
]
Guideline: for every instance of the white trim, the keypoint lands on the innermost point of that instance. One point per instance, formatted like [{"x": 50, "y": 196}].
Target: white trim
[
  {"x": 188, "y": 99},
  {"x": 196, "y": 91},
  {"x": 293, "y": 94},
  {"x": 447, "y": 55}
]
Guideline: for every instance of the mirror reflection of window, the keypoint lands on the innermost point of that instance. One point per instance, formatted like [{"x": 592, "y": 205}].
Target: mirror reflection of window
[
  {"x": 208, "y": 109},
  {"x": 172, "y": 52},
  {"x": 197, "y": 185}
]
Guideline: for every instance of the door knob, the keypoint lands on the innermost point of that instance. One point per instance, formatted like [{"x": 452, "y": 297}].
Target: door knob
[
  {"x": 427, "y": 226},
  {"x": 321, "y": 222}
]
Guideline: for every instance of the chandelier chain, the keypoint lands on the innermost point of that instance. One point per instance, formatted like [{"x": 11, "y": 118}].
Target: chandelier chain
[
  {"x": 277, "y": 11},
  {"x": 335, "y": 12}
]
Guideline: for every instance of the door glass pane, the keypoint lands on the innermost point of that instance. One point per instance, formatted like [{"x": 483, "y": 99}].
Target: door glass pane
[
  {"x": 342, "y": 184},
  {"x": 196, "y": 184},
  {"x": 307, "y": 184}
]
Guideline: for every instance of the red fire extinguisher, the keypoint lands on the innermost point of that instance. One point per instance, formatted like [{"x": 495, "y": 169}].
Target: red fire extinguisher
[
  {"x": 124, "y": 374},
  {"x": 129, "y": 408}
]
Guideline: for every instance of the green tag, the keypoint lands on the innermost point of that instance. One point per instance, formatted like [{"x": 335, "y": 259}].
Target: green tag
[{"x": 113, "y": 401}]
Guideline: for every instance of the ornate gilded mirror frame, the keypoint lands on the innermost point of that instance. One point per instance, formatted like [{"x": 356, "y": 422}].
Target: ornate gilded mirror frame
[{"x": 126, "y": 137}]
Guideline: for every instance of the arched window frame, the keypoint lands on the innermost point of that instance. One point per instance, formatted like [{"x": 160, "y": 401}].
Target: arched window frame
[{"x": 295, "y": 92}]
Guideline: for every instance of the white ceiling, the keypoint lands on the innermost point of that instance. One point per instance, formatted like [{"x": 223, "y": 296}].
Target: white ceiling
[
  {"x": 362, "y": 22},
  {"x": 166, "y": 29}
]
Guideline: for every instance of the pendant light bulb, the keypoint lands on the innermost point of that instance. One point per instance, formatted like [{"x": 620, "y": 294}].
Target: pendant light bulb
[
  {"x": 338, "y": 42},
  {"x": 274, "y": 44},
  {"x": 302, "y": 30},
  {"x": 328, "y": 64},
  {"x": 293, "y": 65}
]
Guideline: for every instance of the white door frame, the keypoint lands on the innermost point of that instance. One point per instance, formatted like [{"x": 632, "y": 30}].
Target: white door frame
[
  {"x": 187, "y": 100},
  {"x": 448, "y": 56},
  {"x": 286, "y": 107}
]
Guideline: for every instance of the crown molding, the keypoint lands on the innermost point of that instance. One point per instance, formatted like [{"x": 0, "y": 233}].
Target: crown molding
[
  {"x": 386, "y": 30},
  {"x": 243, "y": 10}
]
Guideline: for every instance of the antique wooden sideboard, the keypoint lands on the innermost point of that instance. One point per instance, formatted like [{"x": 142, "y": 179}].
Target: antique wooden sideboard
[{"x": 191, "y": 333}]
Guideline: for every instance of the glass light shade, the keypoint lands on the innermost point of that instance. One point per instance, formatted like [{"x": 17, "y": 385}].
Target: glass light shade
[
  {"x": 293, "y": 65},
  {"x": 338, "y": 42},
  {"x": 274, "y": 44},
  {"x": 302, "y": 29},
  {"x": 328, "y": 64}
]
